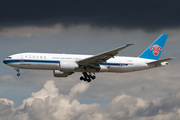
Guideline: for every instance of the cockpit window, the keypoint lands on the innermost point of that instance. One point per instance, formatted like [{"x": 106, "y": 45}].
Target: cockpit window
[{"x": 8, "y": 57}]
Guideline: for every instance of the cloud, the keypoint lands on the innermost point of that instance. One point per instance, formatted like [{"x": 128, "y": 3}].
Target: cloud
[
  {"x": 30, "y": 31},
  {"x": 6, "y": 107},
  {"x": 153, "y": 15},
  {"x": 37, "y": 31},
  {"x": 78, "y": 88},
  {"x": 48, "y": 103}
]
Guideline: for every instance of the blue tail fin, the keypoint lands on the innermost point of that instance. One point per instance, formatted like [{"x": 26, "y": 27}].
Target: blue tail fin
[{"x": 155, "y": 49}]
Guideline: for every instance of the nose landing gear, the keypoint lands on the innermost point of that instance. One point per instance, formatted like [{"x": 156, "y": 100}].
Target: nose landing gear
[
  {"x": 87, "y": 77},
  {"x": 18, "y": 72}
]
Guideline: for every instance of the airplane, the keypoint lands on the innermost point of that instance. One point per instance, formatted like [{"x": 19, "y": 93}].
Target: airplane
[{"x": 64, "y": 65}]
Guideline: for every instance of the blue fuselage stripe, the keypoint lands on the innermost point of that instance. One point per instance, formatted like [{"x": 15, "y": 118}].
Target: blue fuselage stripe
[
  {"x": 116, "y": 64},
  {"x": 9, "y": 61},
  {"x": 33, "y": 61}
]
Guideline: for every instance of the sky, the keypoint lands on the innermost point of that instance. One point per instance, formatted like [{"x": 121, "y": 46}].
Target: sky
[{"x": 89, "y": 27}]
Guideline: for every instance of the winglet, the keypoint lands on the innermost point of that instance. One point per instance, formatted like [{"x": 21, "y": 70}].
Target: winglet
[{"x": 130, "y": 44}]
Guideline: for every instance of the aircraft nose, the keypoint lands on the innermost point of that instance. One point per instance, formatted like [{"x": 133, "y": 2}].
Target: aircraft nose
[{"x": 4, "y": 61}]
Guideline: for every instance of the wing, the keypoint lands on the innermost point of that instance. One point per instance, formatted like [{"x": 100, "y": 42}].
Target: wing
[{"x": 94, "y": 61}]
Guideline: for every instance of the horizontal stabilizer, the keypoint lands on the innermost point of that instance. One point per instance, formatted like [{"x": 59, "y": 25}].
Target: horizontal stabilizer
[{"x": 160, "y": 61}]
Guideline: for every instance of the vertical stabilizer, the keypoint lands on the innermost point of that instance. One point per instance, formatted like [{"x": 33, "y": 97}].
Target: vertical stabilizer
[{"x": 155, "y": 49}]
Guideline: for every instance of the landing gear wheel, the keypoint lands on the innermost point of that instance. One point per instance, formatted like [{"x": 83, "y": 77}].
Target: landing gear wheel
[
  {"x": 87, "y": 77},
  {"x": 18, "y": 74},
  {"x": 81, "y": 78},
  {"x": 90, "y": 76},
  {"x": 88, "y": 80},
  {"x": 93, "y": 77}
]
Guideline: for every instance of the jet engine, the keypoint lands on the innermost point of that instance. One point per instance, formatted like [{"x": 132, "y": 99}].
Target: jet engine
[
  {"x": 68, "y": 66},
  {"x": 58, "y": 73}
]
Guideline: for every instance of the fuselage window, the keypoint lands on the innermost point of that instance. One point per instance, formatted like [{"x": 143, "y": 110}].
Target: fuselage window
[
  {"x": 37, "y": 56},
  {"x": 29, "y": 56},
  {"x": 44, "y": 57},
  {"x": 40, "y": 56},
  {"x": 33, "y": 56}
]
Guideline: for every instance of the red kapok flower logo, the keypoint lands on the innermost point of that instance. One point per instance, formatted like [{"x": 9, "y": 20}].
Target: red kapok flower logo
[{"x": 155, "y": 49}]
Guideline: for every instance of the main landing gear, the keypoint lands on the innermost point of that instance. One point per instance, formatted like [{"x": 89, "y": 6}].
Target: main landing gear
[{"x": 87, "y": 77}]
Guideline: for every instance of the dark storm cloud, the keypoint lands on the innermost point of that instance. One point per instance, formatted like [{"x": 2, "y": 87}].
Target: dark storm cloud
[{"x": 129, "y": 14}]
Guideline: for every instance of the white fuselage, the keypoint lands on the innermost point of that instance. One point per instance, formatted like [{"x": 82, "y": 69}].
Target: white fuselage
[{"x": 47, "y": 61}]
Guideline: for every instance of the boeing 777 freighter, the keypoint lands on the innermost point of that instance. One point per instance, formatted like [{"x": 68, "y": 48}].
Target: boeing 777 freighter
[{"x": 64, "y": 65}]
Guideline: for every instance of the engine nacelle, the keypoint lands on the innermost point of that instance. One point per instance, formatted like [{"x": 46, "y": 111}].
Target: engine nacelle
[
  {"x": 68, "y": 66},
  {"x": 58, "y": 73},
  {"x": 164, "y": 63}
]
